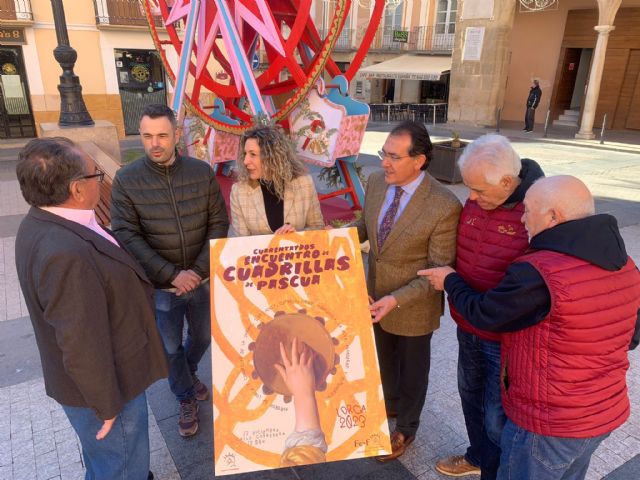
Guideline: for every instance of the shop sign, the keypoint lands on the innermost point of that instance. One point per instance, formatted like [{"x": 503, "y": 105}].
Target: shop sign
[
  {"x": 12, "y": 35},
  {"x": 401, "y": 36}
]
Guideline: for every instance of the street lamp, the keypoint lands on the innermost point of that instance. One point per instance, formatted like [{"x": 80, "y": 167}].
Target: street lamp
[{"x": 73, "y": 111}]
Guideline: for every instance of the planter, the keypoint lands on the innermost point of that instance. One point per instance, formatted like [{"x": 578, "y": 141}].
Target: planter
[{"x": 444, "y": 161}]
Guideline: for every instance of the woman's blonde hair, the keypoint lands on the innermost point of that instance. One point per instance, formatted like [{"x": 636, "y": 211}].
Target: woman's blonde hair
[
  {"x": 302, "y": 455},
  {"x": 280, "y": 164}
]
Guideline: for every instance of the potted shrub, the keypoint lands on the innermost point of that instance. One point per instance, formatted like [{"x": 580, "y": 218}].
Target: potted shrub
[{"x": 444, "y": 159}]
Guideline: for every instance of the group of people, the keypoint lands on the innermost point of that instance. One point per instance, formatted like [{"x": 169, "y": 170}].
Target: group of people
[{"x": 546, "y": 311}]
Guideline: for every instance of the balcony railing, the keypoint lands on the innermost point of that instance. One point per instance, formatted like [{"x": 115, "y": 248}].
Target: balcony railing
[
  {"x": 344, "y": 41},
  {"x": 15, "y": 10},
  {"x": 421, "y": 39},
  {"x": 121, "y": 12},
  {"x": 428, "y": 39}
]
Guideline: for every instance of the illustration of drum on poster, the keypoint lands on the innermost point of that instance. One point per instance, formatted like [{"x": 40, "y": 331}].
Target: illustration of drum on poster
[{"x": 295, "y": 370}]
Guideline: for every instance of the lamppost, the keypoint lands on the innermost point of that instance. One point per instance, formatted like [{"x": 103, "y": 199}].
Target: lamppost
[{"x": 73, "y": 111}]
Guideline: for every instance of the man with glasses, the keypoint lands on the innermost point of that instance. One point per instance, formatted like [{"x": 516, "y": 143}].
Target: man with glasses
[
  {"x": 165, "y": 208},
  {"x": 91, "y": 308},
  {"x": 410, "y": 220}
]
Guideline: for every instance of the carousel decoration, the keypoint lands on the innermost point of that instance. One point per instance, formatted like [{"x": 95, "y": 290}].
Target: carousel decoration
[{"x": 241, "y": 58}]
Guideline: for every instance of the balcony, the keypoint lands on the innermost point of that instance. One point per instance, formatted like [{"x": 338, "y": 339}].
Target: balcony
[
  {"x": 16, "y": 10},
  {"x": 428, "y": 39},
  {"x": 344, "y": 41},
  {"x": 128, "y": 13},
  {"x": 419, "y": 39}
]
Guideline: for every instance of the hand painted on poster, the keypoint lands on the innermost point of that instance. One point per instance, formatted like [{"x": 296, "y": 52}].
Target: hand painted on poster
[
  {"x": 307, "y": 443},
  {"x": 281, "y": 333}
]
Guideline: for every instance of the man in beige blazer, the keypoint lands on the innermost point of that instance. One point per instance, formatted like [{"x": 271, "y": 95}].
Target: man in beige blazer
[{"x": 410, "y": 221}]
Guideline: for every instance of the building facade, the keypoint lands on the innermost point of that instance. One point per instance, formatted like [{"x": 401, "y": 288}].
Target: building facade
[
  {"x": 584, "y": 53},
  {"x": 421, "y": 32},
  {"x": 117, "y": 64}
]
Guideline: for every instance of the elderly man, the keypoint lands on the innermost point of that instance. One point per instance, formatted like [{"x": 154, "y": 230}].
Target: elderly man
[
  {"x": 568, "y": 309},
  {"x": 410, "y": 220},
  {"x": 490, "y": 236},
  {"x": 165, "y": 208},
  {"x": 91, "y": 307}
]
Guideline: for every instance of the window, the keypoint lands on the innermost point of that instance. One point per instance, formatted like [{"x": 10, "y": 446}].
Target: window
[
  {"x": 446, "y": 16},
  {"x": 393, "y": 17}
]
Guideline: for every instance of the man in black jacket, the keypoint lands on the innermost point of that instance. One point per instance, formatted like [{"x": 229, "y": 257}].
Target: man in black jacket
[
  {"x": 532, "y": 103},
  {"x": 165, "y": 208}
]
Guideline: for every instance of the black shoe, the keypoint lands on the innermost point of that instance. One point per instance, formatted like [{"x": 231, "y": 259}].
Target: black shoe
[{"x": 150, "y": 476}]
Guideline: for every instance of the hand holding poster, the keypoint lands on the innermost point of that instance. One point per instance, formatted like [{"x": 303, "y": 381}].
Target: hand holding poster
[{"x": 295, "y": 371}]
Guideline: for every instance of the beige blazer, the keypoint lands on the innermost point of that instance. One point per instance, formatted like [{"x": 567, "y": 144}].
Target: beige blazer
[
  {"x": 248, "y": 215},
  {"x": 423, "y": 236}
]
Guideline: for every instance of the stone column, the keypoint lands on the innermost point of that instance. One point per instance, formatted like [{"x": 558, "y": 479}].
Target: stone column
[{"x": 593, "y": 89}]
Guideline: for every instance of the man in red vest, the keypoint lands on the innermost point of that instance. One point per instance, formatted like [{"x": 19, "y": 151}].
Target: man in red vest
[
  {"x": 569, "y": 310},
  {"x": 489, "y": 237}
]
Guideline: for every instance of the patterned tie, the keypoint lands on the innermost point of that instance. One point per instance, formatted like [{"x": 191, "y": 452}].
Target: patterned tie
[{"x": 389, "y": 217}]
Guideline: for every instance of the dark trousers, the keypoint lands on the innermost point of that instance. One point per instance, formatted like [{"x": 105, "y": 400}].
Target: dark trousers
[
  {"x": 529, "y": 118},
  {"x": 479, "y": 388},
  {"x": 404, "y": 369},
  {"x": 183, "y": 357}
]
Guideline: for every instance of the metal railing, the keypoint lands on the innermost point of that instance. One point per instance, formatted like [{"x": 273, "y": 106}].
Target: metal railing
[
  {"x": 344, "y": 41},
  {"x": 427, "y": 39},
  {"x": 121, "y": 12},
  {"x": 15, "y": 10},
  {"x": 420, "y": 39}
]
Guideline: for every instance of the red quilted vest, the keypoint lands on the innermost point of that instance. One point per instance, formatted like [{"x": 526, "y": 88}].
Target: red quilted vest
[
  {"x": 566, "y": 376},
  {"x": 488, "y": 241}
]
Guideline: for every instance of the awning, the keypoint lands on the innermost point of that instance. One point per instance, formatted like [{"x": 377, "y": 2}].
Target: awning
[{"x": 409, "y": 67}]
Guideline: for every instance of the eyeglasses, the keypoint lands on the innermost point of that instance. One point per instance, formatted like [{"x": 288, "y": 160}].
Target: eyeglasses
[
  {"x": 99, "y": 175},
  {"x": 391, "y": 156}
]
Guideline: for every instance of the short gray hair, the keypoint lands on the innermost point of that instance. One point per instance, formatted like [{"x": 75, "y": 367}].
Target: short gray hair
[{"x": 496, "y": 154}]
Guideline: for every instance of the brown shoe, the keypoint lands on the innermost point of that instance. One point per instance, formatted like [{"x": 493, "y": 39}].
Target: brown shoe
[
  {"x": 456, "y": 466},
  {"x": 399, "y": 444},
  {"x": 200, "y": 389},
  {"x": 188, "y": 420}
]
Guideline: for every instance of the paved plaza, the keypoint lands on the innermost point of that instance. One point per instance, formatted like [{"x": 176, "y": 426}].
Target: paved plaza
[{"x": 37, "y": 442}]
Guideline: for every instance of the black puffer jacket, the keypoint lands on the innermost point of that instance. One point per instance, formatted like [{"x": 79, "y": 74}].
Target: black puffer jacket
[{"x": 165, "y": 215}]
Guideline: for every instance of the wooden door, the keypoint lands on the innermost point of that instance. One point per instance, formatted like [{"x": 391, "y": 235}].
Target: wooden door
[
  {"x": 567, "y": 80},
  {"x": 7, "y": 10},
  {"x": 628, "y": 114}
]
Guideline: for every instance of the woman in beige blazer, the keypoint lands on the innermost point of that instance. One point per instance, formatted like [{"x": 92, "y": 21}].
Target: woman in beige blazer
[{"x": 274, "y": 192}]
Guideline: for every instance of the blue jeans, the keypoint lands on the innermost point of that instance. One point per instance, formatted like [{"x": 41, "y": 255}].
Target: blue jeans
[
  {"x": 124, "y": 453},
  {"x": 529, "y": 456},
  {"x": 171, "y": 312},
  {"x": 479, "y": 388}
]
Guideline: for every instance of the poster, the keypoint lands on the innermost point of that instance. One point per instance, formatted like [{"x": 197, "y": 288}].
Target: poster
[
  {"x": 295, "y": 370},
  {"x": 473, "y": 39}
]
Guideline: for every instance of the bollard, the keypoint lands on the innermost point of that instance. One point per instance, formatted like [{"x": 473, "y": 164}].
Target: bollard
[
  {"x": 604, "y": 123},
  {"x": 546, "y": 123},
  {"x": 498, "y": 115}
]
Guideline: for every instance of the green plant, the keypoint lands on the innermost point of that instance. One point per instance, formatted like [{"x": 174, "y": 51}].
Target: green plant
[
  {"x": 338, "y": 222},
  {"x": 455, "y": 135},
  {"x": 331, "y": 176}
]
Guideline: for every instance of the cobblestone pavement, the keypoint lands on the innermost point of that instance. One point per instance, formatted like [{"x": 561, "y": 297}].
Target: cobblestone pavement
[{"x": 36, "y": 441}]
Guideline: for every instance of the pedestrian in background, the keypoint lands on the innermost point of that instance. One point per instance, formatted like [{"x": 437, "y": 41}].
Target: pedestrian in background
[
  {"x": 533, "y": 100},
  {"x": 91, "y": 306},
  {"x": 165, "y": 208}
]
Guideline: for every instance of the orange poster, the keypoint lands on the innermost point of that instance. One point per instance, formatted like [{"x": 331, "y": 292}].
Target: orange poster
[{"x": 295, "y": 371}]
